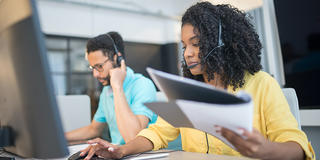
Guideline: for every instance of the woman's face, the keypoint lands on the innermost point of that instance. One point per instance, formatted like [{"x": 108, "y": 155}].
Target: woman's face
[{"x": 191, "y": 49}]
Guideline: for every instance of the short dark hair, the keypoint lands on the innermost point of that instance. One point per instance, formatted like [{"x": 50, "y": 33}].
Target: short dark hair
[
  {"x": 104, "y": 43},
  {"x": 242, "y": 48}
]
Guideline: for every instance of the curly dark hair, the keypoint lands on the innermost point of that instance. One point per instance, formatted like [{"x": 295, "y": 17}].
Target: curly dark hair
[
  {"x": 242, "y": 48},
  {"x": 104, "y": 43}
]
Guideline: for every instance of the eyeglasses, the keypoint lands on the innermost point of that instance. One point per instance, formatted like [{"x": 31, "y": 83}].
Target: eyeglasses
[{"x": 98, "y": 67}]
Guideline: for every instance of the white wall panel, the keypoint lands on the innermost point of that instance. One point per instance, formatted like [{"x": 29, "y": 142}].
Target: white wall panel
[{"x": 84, "y": 21}]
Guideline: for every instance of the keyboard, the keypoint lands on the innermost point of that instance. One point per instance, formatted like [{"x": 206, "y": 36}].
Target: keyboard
[{"x": 5, "y": 155}]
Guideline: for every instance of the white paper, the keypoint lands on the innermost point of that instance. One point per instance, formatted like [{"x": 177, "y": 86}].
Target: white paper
[
  {"x": 205, "y": 116},
  {"x": 201, "y": 105}
]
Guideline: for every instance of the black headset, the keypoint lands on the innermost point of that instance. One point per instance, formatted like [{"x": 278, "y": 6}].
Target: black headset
[
  {"x": 220, "y": 44},
  {"x": 116, "y": 51}
]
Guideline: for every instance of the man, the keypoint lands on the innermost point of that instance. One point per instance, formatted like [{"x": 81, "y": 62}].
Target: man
[{"x": 124, "y": 92}]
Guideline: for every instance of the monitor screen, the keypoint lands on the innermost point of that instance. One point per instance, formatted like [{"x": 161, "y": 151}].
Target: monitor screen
[{"x": 27, "y": 102}]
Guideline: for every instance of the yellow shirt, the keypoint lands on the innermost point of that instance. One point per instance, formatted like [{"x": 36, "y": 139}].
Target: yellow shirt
[{"x": 272, "y": 118}]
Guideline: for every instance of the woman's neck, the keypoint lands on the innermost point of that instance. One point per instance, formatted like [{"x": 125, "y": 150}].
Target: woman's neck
[{"x": 216, "y": 82}]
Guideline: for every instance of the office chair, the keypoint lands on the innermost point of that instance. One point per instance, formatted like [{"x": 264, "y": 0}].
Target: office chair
[
  {"x": 292, "y": 99},
  {"x": 161, "y": 97},
  {"x": 74, "y": 111}
]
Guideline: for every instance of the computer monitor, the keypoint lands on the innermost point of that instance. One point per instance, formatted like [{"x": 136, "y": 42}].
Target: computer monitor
[{"x": 27, "y": 102}]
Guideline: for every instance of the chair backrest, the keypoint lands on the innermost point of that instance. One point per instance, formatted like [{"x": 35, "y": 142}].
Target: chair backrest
[
  {"x": 292, "y": 99},
  {"x": 74, "y": 111}
]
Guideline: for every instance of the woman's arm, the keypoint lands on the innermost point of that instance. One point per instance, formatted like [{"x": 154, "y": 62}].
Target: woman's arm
[{"x": 105, "y": 149}]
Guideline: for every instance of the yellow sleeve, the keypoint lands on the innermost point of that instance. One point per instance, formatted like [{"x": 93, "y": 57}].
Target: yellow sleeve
[
  {"x": 281, "y": 124},
  {"x": 160, "y": 133}
]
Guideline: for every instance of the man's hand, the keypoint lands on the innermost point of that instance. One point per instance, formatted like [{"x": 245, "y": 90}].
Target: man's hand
[
  {"x": 103, "y": 149},
  {"x": 117, "y": 76},
  {"x": 254, "y": 145}
]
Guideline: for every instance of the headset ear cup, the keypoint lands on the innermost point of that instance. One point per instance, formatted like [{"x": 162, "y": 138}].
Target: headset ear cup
[{"x": 119, "y": 59}]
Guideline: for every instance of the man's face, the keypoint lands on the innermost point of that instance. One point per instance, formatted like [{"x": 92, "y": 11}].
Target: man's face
[{"x": 101, "y": 66}]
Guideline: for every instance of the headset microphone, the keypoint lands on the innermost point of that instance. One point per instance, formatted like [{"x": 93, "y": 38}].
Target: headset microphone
[
  {"x": 192, "y": 66},
  {"x": 220, "y": 44}
]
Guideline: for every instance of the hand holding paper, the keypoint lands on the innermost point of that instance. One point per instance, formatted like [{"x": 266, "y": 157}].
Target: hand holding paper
[{"x": 253, "y": 145}]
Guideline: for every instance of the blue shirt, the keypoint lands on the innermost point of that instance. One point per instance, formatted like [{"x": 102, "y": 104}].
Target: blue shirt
[{"x": 138, "y": 90}]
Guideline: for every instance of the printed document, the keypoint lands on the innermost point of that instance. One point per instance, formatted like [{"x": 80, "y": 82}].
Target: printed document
[{"x": 194, "y": 104}]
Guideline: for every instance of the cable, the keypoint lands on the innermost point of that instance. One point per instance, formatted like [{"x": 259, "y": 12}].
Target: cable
[{"x": 207, "y": 142}]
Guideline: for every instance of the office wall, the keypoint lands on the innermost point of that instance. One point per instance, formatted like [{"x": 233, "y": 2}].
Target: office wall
[{"x": 67, "y": 19}]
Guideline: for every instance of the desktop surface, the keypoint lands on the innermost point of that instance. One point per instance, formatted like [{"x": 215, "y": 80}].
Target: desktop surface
[
  {"x": 192, "y": 155},
  {"x": 173, "y": 155}
]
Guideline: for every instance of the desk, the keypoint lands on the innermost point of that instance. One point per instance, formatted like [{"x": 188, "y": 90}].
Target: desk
[
  {"x": 179, "y": 155},
  {"x": 192, "y": 156}
]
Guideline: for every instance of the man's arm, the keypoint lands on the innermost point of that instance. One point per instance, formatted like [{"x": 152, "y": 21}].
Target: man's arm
[
  {"x": 128, "y": 123},
  {"x": 88, "y": 132}
]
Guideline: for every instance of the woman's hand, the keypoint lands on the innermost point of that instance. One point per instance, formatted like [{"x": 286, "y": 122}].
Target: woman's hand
[
  {"x": 254, "y": 145},
  {"x": 103, "y": 149},
  {"x": 250, "y": 144}
]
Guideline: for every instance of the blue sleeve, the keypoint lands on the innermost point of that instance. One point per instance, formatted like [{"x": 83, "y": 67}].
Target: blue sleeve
[
  {"x": 144, "y": 91},
  {"x": 99, "y": 116}
]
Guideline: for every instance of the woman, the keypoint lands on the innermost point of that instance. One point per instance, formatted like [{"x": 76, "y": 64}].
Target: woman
[{"x": 222, "y": 49}]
